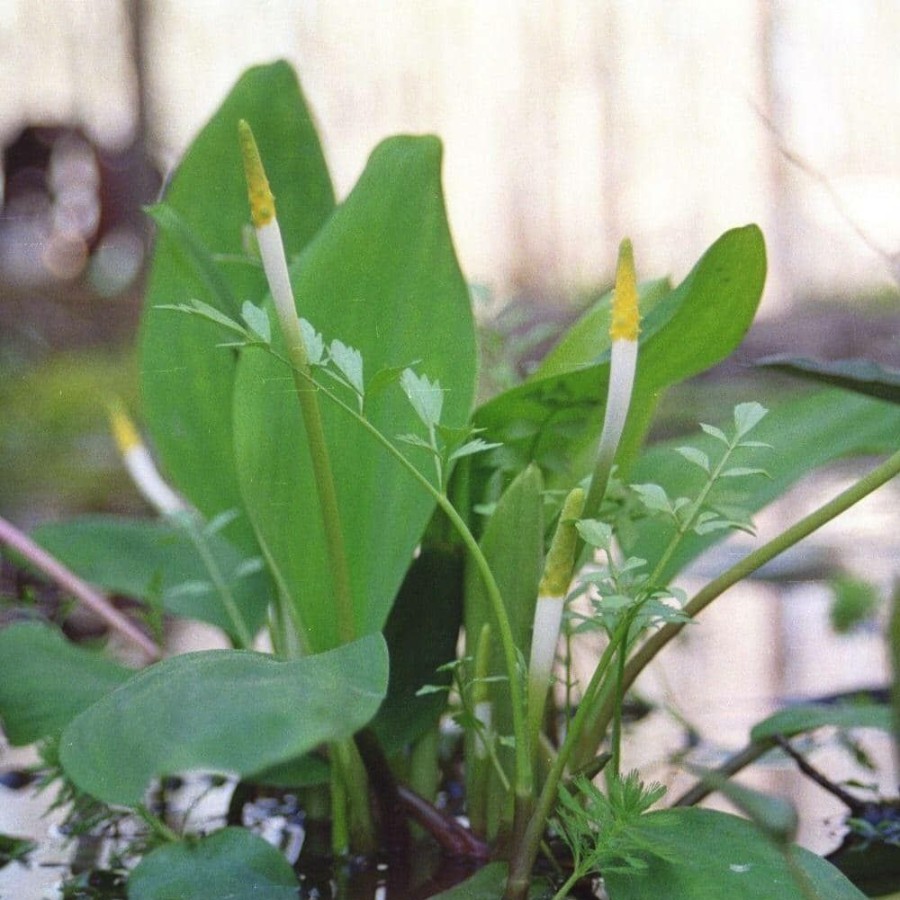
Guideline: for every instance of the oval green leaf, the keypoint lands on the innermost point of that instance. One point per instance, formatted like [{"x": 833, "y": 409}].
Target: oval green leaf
[
  {"x": 227, "y": 711},
  {"x": 232, "y": 862},
  {"x": 45, "y": 681},
  {"x": 708, "y": 855}
]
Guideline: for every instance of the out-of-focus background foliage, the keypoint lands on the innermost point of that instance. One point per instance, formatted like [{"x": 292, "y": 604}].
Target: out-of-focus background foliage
[{"x": 567, "y": 125}]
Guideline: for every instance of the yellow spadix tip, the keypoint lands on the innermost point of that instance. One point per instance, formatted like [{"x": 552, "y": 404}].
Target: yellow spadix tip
[
  {"x": 124, "y": 432},
  {"x": 625, "y": 323},
  {"x": 262, "y": 201}
]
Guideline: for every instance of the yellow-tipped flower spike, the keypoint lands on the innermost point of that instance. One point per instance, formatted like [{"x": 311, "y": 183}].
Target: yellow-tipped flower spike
[
  {"x": 271, "y": 247},
  {"x": 140, "y": 466},
  {"x": 625, "y": 323},
  {"x": 124, "y": 432},
  {"x": 262, "y": 200},
  {"x": 561, "y": 556},
  {"x": 623, "y": 331}
]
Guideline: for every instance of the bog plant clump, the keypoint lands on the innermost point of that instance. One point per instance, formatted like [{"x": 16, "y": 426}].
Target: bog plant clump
[{"x": 309, "y": 375}]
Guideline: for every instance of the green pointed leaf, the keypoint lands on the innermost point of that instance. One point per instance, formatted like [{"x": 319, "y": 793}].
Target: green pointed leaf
[
  {"x": 382, "y": 277},
  {"x": 314, "y": 343},
  {"x": 596, "y": 533},
  {"x": 805, "y": 433},
  {"x": 710, "y": 855},
  {"x": 349, "y": 361},
  {"x": 513, "y": 544},
  {"x": 151, "y": 560},
  {"x": 232, "y": 862},
  {"x": 232, "y": 711},
  {"x": 486, "y": 884},
  {"x": 747, "y": 416},
  {"x": 187, "y": 379},
  {"x": 683, "y": 333},
  {"x": 45, "y": 681},
  {"x": 860, "y": 375},
  {"x": 809, "y": 716},
  {"x": 697, "y": 457}
]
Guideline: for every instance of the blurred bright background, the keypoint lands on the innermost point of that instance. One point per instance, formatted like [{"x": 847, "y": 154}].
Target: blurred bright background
[{"x": 566, "y": 125}]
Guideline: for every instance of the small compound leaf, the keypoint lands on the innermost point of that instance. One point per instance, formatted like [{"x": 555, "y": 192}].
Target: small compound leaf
[
  {"x": 470, "y": 448},
  {"x": 717, "y": 433},
  {"x": 596, "y": 533},
  {"x": 350, "y": 362},
  {"x": 258, "y": 321},
  {"x": 426, "y": 397},
  {"x": 312, "y": 340},
  {"x": 697, "y": 457},
  {"x": 654, "y": 497},
  {"x": 747, "y": 416}
]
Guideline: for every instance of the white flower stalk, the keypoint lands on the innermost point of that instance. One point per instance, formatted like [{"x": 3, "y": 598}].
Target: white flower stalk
[
  {"x": 271, "y": 246},
  {"x": 140, "y": 465},
  {"x": 623, "y": 332},
  {"x": 550, "y": 604},
  {"x": 271, "y": 250}
]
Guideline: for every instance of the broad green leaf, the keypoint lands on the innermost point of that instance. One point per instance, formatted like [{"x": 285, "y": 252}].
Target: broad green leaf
[
  {"x": 382, "y": 277},
  {"x": 187, "y": 379},
  {"x": 486, "y": 884},
  {"x": 233, "y": 711},
  {"x": 232, "y": 862},
  {"x": 683, "y": 333},
  {"x": 860, "y": 375},
  {"x": 809, "y": 716},
  {"x": 804, "y": 433},
  {"x": 151, "y": 560},
  {"x": 45, "y": 681},
  {"x": 711, "y": 855},
  {"x": 513, "y": 544}
]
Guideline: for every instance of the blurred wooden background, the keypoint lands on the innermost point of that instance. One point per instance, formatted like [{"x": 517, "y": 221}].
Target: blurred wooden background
[{"x": 567, "y": 123}]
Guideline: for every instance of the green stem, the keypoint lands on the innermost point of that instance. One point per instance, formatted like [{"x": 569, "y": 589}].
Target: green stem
[
  {"x": 870, "y": 482},
  {"x": 307, "y": 390},
  {"x": 525, "y": 852},
  {"x": 681, "y": 529},
  {"x": 188, "y": 522},
  {"x": 524, "y": 781}
]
